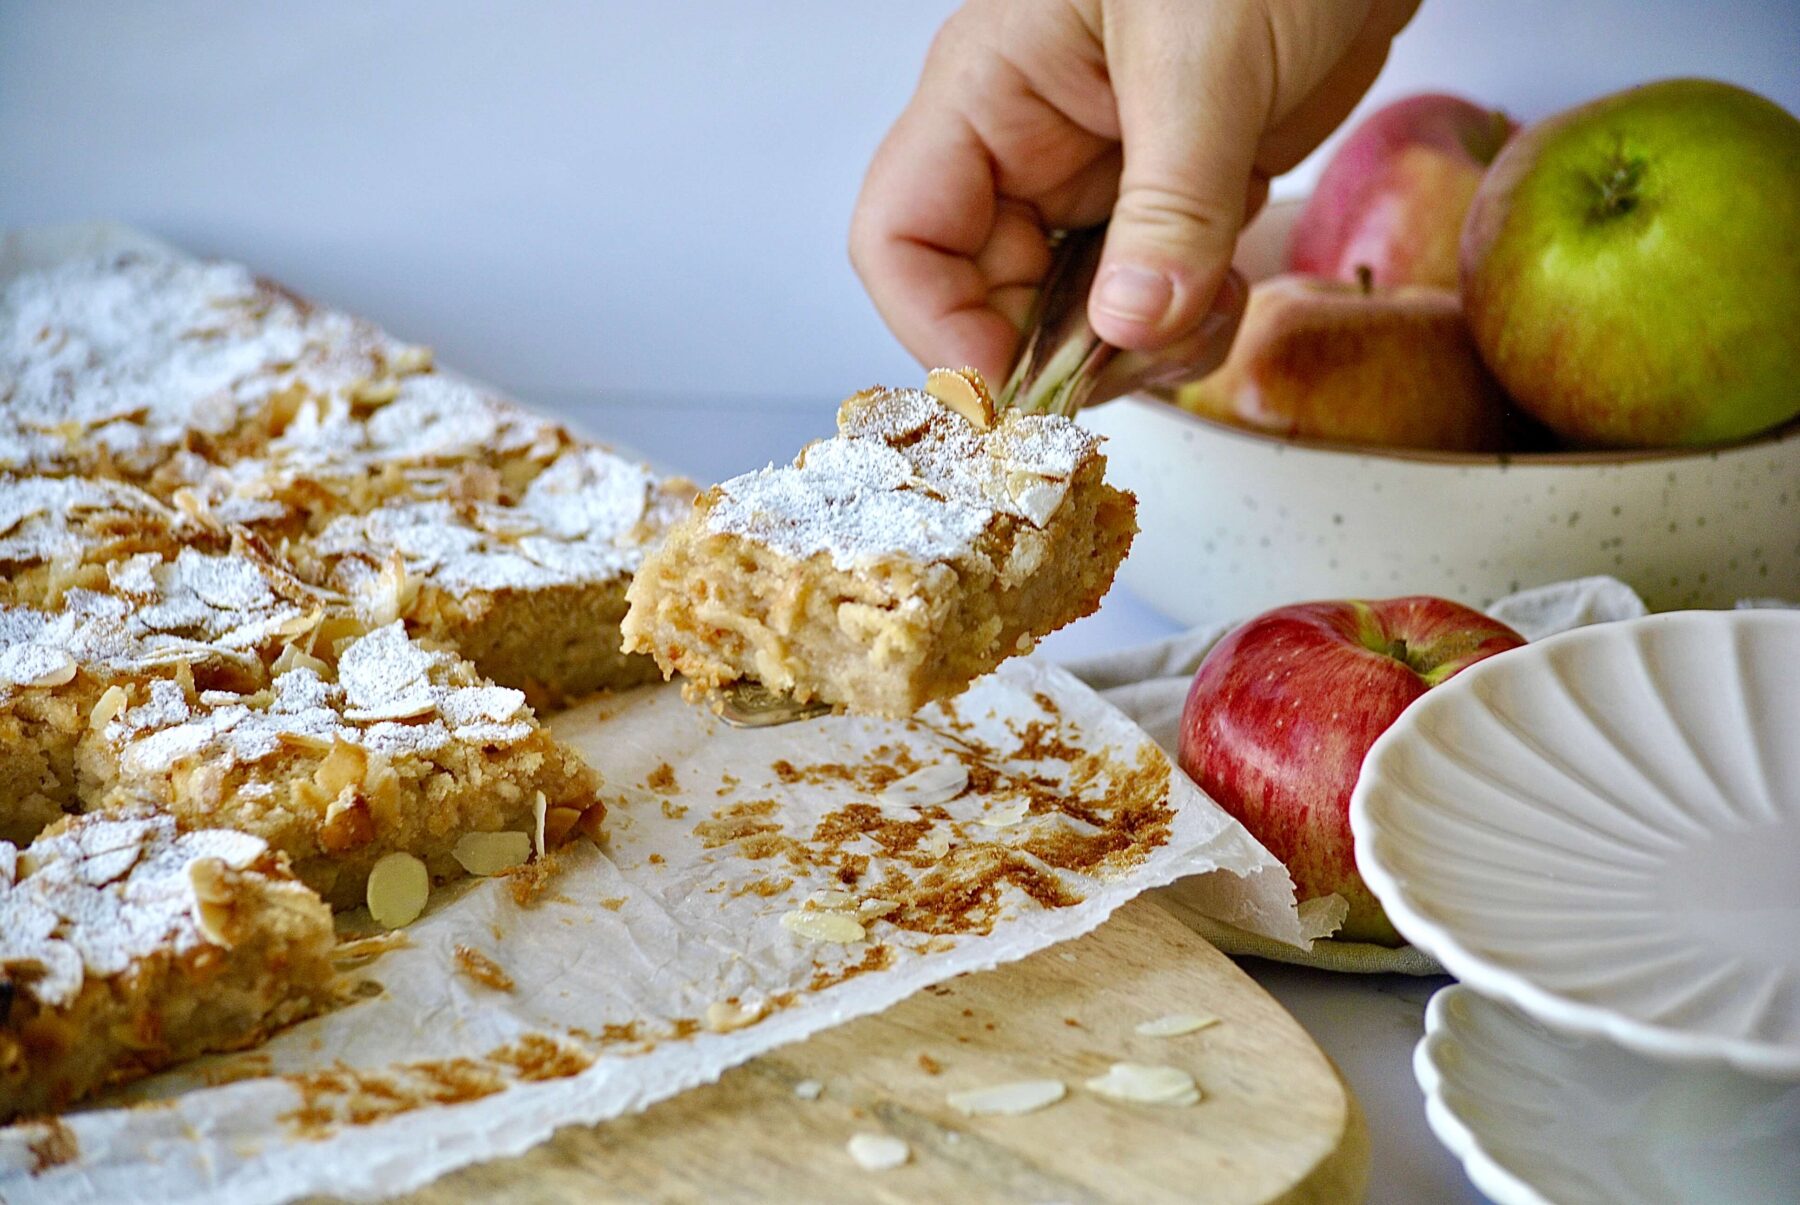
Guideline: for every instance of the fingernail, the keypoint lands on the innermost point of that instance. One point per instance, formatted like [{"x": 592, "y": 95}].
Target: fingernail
[{"x": 1134, "y": 294}]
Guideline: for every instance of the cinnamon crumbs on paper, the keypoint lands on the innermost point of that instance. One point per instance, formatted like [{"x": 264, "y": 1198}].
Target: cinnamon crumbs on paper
[
  {"x": 475, "y": 965},
  {"x": 343, "y": 1095}
]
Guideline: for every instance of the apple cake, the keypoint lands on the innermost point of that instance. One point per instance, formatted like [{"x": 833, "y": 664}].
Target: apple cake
[
  {"x": 532, "y": 589},
  {"x": 387, "y": 747},
  {"x": 113, "y": 364},
  {"x": 127, "y": 944},
  {"x": 893, "y": 564},
  {"x": 480, "y": 525},
  {"x": 225, "y": 692}
]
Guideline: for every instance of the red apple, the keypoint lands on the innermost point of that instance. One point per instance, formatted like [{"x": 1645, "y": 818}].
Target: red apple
[
  {"x": 1283, "y": 710},
  {"x": 1393, "y": 196},
  {"x": 1361, "y": 364},
  {"x": 1631, "y": 268}
]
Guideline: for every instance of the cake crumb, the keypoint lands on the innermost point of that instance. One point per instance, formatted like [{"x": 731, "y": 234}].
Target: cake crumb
[
  {"x": 54, "y": 1147},
  {"x": 483, "y": 970}
]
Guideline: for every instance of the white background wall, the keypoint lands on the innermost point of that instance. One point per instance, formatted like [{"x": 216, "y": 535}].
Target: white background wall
[{"x": 645, "y": 198}]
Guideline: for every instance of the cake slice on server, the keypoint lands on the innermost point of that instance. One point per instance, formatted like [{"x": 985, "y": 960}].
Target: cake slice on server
[{"x": 891, "y": 565}]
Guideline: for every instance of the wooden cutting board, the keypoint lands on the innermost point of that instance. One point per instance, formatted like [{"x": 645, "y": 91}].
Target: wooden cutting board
[{"x": 1277, "y": 1123}]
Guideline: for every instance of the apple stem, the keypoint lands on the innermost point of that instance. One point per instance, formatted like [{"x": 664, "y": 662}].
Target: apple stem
[
  {"x": 1365, "y": 278},
  {"x": 1618, "y": 187},
  {"x": 1398, "y": 650}
]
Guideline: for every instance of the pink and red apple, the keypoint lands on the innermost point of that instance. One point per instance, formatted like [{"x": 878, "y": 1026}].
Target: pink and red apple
[
  {"x": 1283, "y": 710},
  {"x": 1393, "y": 196},
  {"x": 1355, "y": 363}
]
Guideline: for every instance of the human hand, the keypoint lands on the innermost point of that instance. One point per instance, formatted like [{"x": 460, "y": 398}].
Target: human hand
[{"x": 1037, "y": 115}]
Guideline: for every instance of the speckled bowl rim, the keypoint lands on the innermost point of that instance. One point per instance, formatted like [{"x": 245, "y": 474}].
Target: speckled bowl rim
[{"x": 1494, "y": 460}]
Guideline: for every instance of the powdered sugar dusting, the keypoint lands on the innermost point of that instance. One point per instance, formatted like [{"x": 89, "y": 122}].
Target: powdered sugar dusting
[
  {"x": 100, "y": 895},
  {"x": 589, "y": 517},
  {"x": 46, "y": 518},
  {"x": 392, "y": 696},
  {"x": 905, "y": 477},
  {"x": 126, "y": 354}
]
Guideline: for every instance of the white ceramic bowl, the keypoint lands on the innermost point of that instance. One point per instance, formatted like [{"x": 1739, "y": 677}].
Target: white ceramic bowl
[
  {"x": 1235, "y": 522},
  {"x": 1539, "y": 1117},
  {"x": 1603, "y": 828}
]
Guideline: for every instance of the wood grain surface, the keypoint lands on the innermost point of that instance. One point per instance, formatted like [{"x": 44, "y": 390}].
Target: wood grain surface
[{"x": 1277, "y": 1123}]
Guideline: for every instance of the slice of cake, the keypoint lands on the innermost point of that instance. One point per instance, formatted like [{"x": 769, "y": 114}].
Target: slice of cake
[
  {"x": 384, "y": 746},
  {"x": 480, "y": 525},
  {"x": 532, "y": 592},
  {"x": 127, "y": 945},
  {"x": 891, "y": 565}
]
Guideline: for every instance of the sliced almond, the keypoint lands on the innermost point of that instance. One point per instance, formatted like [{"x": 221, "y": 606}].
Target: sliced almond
[
  {"x": 559, "y": 822},
  {"x": 928, "y": 786},
  {"x": 1006, "y": 817},
  {"x": 831, "y": 900},
  {"x": 189, "y": 503},
  {"x": 399, "y": 886},
  {"x": 36, "y": 665},
  {"x": 824, "y": 926},
  {"x": 375, "y": 391},
  {"x": 345, "y": 766},
  {"x": 963, "y": 390},
  {"x": 492, "y": 853},
  {"x": 305, "y": 741},
  {"x": 878, "y": 1152},
  {"x": 809, "y": 1089},
  {"x": 723, "y": 1016},
  {"x": 385, "y": 597},
  {"x": 1035, "y": 496},
  {"x": 1146, "y": 1084},
  {"x": 540, "y": 813},
  {"x": 1174, "y": 1025},
  {"x": 935, "y": 844},
  {"x": 213, "y": 912},
  {"x": 1008, "y": 1100},
  {"x": 107, "y": 707},
  {"x": 875, "y": 909},
  {"x": 409, "y": 358},
  {"x": 416, "y": 702}
]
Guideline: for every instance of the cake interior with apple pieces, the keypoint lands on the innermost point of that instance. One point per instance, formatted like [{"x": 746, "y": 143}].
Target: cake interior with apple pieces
[{"x": 892, "y": 565}]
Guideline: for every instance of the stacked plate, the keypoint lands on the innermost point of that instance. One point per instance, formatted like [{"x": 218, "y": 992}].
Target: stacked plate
[{"x": 1599, "y": 834}]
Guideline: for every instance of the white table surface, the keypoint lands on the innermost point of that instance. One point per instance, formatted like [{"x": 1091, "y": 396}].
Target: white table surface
[{"x": 1367, "y": 1024}]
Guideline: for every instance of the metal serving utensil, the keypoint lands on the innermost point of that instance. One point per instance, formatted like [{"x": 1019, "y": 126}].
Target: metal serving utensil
[{"x": 1061, "y": 366}]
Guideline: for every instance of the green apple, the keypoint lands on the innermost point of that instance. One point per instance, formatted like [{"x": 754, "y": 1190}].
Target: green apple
[{"x": 1631, "y": 268}]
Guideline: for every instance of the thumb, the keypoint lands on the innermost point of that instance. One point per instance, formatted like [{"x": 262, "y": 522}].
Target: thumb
[{"x": 1193, "y": 94}]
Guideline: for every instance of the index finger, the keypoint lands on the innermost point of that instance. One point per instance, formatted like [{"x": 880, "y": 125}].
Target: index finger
[{"x": 925, "y": 212}]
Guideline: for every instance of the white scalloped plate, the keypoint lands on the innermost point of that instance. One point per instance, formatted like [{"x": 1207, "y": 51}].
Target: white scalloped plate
[
  {"x": 1538, "y": 1116},
  {"x": 1604, "y": 829}
]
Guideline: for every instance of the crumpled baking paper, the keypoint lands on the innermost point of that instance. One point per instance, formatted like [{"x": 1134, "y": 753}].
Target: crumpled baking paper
[{"x": 653, "y": 965}]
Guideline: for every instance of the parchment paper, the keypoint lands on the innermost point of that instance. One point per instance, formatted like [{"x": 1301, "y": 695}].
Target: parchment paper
[{"x": 654, "y": 965}]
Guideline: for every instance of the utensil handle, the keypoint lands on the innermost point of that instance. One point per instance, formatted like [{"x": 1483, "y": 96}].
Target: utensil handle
[{"x": 1060, "y": 358}]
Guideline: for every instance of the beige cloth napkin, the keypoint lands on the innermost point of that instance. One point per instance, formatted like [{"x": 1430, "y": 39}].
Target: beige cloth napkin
[{"x": 1150, "y": 683}]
